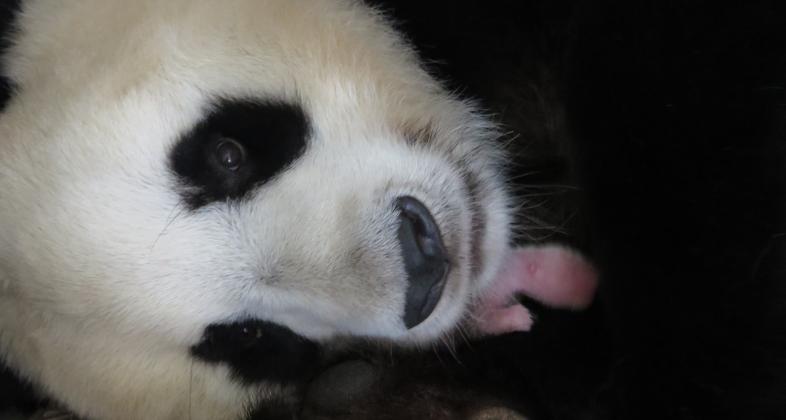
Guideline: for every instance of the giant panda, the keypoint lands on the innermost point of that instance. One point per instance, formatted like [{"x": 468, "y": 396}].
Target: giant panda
[{"x": 173, "y": 173}]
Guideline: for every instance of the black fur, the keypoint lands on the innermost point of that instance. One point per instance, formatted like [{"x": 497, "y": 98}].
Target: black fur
[
  {"x": 8, "y": 12},
  {"x": 16, "y": 395},
  {"x": 259, "y": 351},
  {"x": 274, "y": 134}
]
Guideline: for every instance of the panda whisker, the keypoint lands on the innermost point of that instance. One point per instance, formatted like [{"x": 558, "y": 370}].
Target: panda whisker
[
  {"x": 522, "y": 176},
  {"x": 508, "y": 138},
  {"x": 539, "y": 225},
  {"x": 391, "y": 355},
  {"x": 532, "y": 205},
  {"x": 170, "y": 219},
  {"x": 460, "y": 332},
  {"x": 190, "y": 386},
  {"x": 435, "y": 350},
  {"x": 547, "y": 186},
  {"x": 532, "y": 194},
  {"x": 450, "y": 347}
]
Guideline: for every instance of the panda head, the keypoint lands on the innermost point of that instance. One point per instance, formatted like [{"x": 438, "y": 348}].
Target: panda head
[{"x": 206, "y": 164}]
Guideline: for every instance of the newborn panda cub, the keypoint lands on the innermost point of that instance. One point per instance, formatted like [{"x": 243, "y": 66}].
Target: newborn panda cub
[{"x": 168, "y": 167}]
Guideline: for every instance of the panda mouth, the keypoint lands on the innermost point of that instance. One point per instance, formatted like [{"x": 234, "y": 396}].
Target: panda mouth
[{"x": 425, "y": 260}]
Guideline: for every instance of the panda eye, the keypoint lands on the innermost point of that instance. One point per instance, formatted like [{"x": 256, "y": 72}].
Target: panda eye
[
  {"x": 230, "y": 153},
  {"x": 237, "y": 147}
]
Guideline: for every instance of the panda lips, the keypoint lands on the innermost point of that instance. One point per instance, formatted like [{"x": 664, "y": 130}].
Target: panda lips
[{"x": 425, "y": 260}]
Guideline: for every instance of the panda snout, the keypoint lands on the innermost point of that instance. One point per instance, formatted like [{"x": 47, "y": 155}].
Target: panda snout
[{"x": 425, "y": 260}]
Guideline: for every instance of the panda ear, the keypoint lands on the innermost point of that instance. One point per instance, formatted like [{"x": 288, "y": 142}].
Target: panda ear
[{"x": 240, "y": 145}]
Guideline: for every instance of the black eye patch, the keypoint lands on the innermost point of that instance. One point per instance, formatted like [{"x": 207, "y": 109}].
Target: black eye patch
[{"x": 237, "y": 147}]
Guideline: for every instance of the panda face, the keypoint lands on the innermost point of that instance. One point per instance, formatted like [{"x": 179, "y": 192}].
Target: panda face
[
  {"x": 198, "y": 164},
  {"x": 372, "y": 249}
]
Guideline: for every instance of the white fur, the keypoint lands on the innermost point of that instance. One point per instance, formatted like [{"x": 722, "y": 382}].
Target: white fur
[{"x": 106, "y": 279}]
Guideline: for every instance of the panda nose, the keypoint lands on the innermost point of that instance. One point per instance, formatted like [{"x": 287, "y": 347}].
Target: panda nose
[{"x": 425, "y": 260}]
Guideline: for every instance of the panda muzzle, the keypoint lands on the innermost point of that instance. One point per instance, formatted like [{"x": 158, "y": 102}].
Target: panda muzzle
[{"x": 425, "y": 260}]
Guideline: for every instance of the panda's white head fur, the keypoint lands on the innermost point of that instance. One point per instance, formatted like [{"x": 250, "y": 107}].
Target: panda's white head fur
[{"x": 124, "y": 215}]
